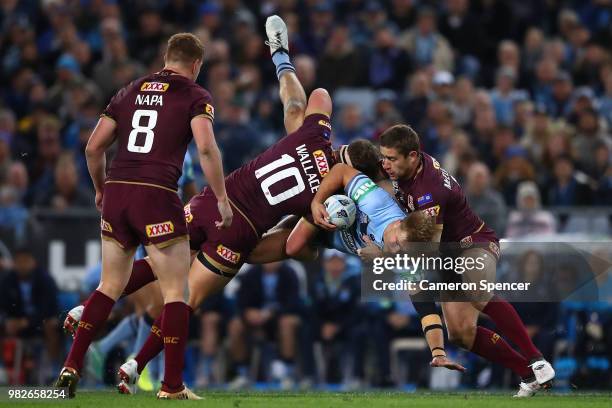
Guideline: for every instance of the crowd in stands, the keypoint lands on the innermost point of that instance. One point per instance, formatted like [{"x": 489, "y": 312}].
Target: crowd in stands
[{"x": 513, "y": 98}]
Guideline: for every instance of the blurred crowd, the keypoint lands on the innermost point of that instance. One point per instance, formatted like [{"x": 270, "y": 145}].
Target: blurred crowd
[{"x": 513, "y": 98}]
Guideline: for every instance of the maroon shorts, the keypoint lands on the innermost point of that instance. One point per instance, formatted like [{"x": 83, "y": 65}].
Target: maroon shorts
[
  {"x": 134, "y": 214},
  {"x": 484, "y": 238},
  {"x": 223, "y": 251}
]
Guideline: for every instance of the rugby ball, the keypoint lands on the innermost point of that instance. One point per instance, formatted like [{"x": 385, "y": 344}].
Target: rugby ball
[{"x": 341, "y": 210}]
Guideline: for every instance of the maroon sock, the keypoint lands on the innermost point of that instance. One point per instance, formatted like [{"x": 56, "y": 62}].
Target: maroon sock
[
  {"x": 510, "y": 325},
  {"x": 492, "y": 347},
  {"x": 152, "y": 346},
  {"x": 142, "y": 274},
  {"x": 175, "y": 328},
  {"x": 96, "y": 311}
]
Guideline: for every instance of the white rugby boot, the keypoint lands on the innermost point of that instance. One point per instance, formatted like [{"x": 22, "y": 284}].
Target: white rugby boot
[
  {"x": 544, "y": 373},
  {"x": 527, "y": 389},
  {"x": 128, "y": 374},
  {"x": 71, "y": 322},
  {"x": 276, "y": 30}
]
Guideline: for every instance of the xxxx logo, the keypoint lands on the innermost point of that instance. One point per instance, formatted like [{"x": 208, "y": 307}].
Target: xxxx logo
[
  {"x": 188, "y": 214},
  {"x": 321, "y": 161},
  {"x": 494, "y": 338},
  {"x": 433, "y": 211},
  {"x": 209, "y": 110},
  {"x": 154, "y": 87},
  {"x": 85, "y": 325},
  {"x": 466, "y": 242},
  {"x": 228, "y": 254},
  {"x": 171, "y": 340},
  {"x": 157, "y": 230},
  {"x": 105, "y": 226}
]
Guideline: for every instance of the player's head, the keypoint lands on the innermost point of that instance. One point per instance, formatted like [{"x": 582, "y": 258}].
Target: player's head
[
  {"x": 185, "y": 52},
  {"x": 416, "y": 227},
  {"x": 400, "y": 149},
  {"x": 363, "y": 156}
]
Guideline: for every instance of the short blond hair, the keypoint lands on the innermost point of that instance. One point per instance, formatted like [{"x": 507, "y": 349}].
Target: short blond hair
[
  {"x": 420, "y": 226},
  {"x": 184, "y": 48}
]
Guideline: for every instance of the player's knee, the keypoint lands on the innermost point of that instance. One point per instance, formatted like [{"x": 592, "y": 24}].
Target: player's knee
[
  {"x": 319, "y": 102},
  {"x": 461, "y": 335}
]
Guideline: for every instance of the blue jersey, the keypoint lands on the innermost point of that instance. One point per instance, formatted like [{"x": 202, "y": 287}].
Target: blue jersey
[
  {"x": 376, "y": 209},
  {"x": 187, "y": 175}
]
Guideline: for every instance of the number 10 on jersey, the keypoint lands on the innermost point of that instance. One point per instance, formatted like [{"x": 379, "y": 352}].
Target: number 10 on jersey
[{"x": 277, "y": 176}]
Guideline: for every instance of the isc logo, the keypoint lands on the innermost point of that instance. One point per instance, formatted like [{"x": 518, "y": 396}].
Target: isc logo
[
  {"x": 154, "y": 87},
  {"x": 187, "y": 212}
]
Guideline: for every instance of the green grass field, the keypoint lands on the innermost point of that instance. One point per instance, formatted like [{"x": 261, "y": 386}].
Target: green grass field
[{"x": 103, "y": 399}]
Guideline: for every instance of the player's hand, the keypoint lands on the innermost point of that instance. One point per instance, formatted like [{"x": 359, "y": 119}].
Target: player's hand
[
  {"x": 99, "y": 197},
  {"x": 225, "y": 209},
  {"x": 321, "y": 217},
  {"x": 445, "y": 362},
  {"x": 370, "y": 251}
]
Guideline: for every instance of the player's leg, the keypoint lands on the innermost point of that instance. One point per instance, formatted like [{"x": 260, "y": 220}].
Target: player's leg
[
  {"x": 209, "y": 335},
  {"x": 116, "y": 266},
  {"x": 505, "y": 317},
  {"x": 202, "y": 283},
  {"x": 319, "y": 101},
  {"x": 461, "y": 318},
  {"x": 141, "y": 275},
  {"x": 291, "y": 91},
  {"x": 288, "y": 325},
  {"x": 171, "y": 265},
  {"x": 273, "y": 245}
]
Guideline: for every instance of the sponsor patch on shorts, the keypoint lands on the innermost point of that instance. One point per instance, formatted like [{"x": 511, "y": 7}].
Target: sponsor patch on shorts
[
  {"x": 227, "y": 254},
  {"x": 188, "y": 214},
  {"x": 321, "y": 161},
  {"x": 105, "y": 226},
  {"x": 154, "y": 87},
  {"x": 157, "y": 230},
  {"x": 432, "y": 211},
  {"x": 493, "y": 247},
  {"x": 466, "y": 242}
]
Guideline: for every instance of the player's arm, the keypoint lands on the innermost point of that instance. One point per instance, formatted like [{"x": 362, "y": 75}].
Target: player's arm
[
  {"x": 101, "y": 138},
  {"x": 210, "y": 160},
  {"x": 298, "y": 244},
  {"x": 337, "y": 179}
]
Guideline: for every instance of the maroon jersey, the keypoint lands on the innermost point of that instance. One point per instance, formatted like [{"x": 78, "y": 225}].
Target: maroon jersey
[
  {"x": 436, "y": 192},
  {"x": 153, "y": 116},
  {"x": 284, "y": 179}
]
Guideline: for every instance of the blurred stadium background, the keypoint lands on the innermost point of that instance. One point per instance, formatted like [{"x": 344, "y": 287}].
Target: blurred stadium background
[{"x": 513, "y": 98}]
